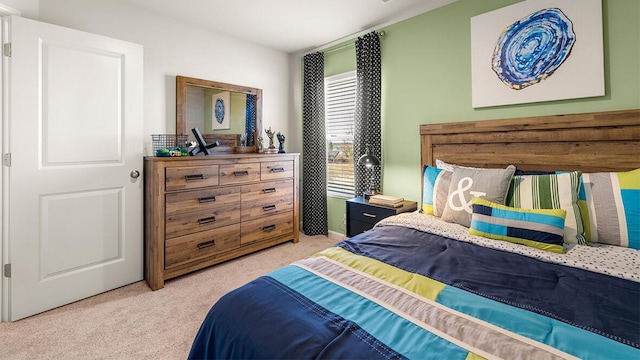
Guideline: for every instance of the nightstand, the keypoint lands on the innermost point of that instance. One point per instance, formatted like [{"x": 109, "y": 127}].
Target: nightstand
[{"x": 362, "y": 216}]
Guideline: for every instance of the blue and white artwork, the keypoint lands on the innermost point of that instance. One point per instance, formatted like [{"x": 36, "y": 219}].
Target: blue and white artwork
[
  {"x": 532, "y": 48},
  {"x": 537, "y": 50},
  {"x": 220, "y": 116}
]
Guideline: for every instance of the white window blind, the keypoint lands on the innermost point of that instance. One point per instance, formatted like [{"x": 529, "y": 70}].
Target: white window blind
[{"x": 340, "y": 104}]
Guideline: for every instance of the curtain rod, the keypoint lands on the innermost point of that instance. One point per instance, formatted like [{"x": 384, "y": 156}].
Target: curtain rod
[{"x": 351, "y": 42}]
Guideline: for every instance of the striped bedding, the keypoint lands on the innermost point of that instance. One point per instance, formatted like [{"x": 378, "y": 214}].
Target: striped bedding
[{"x": 398, "y": 291}]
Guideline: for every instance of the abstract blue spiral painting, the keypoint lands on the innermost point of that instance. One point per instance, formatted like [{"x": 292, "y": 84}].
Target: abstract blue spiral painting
[
  {"x": 220, "y": 110},
  {"x": 537, "y": 50},
  {"x": 532, "y": 48}
]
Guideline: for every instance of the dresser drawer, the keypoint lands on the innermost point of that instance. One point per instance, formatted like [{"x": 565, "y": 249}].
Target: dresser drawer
[
  {"x": 190, "y": 177},
  {"x": 202, "y": 200},
  {"x": 276, "y": 170},
  {"x": 266, "y": 228},
  {"x": 268, "y": 198},
  {"x": 182, "y": 223},
  {"x": 200, "y": 245},
  {"x": 239, "y": 173}
]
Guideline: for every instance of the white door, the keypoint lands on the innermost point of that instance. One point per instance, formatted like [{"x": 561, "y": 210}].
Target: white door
[{"x": 75, "y": 138}]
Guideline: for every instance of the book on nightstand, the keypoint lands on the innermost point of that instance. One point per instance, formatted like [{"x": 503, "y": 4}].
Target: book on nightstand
[{"x": 386, "y": 200}]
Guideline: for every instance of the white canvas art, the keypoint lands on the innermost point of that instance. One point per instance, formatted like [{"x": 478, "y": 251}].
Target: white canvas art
[{"x": 537, "y": 50}]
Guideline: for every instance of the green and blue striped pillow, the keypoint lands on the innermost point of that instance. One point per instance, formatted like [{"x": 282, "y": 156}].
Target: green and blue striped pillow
[
  {"x": 610, "y": 205},
  {"x": 552, "y": 191},
  {"x": 538, "y": 228}
]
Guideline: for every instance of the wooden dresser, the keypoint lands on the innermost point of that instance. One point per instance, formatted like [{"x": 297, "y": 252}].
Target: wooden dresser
[{"x": 202, "y": 210}]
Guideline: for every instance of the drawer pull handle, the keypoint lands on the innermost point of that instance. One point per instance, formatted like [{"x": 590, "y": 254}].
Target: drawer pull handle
[
  {"x": 269, "y": 228},
  {"x": 194, "y": 177},
  {"x": 269, "y": 207},
  {"x": 206, "y": 220},
  {"x": 206, "y": 199},
  {"x": 241, "y": 173},
  {"x": 206, "y": 244},
  {"x": 369, "y": 215},
  {"x": 277, "y": 169},
  {"x": 268, "y": 190}
]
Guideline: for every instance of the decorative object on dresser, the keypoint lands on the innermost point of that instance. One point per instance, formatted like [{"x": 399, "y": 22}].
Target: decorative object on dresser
[
  {"x": 280, "y": 143},
  {"x": 362, "y": 215},
  {"x": 259, "y": 145},
  {"x": 202, "y": 146},
  {"x": 201, "y": 211},
  {"x": 272, "y": 148}
]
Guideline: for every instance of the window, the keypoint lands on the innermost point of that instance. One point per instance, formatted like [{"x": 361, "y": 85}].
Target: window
[{"x": 340, "y": 105}]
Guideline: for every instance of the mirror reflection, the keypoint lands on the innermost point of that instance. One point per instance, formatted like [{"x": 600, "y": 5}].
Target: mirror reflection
[{"x": 227, "y": 113}]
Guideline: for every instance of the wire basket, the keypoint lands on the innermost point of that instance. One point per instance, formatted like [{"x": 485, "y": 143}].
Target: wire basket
[{"x": 169, "y": 142}]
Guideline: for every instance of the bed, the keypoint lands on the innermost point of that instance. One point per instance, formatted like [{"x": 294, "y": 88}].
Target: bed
[{"x": 417, "y": 286}]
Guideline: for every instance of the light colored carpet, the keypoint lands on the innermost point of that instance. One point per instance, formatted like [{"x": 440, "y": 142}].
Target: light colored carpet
[{"x": 133, "y": 322}]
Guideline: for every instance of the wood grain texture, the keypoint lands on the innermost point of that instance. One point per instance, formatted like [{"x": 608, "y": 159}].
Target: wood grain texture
[
  {"x": 239, "y": 173},
  {"x": 228, "y": 141},
  {"x": 201, "y": 245},
  {"x": 181, "y": 234},
  {"x": 191, "y": 177},
  {"x": 590, "y": 142},
  {"x": 267, "y": 198},
  {"x": 276, "y": 170}
]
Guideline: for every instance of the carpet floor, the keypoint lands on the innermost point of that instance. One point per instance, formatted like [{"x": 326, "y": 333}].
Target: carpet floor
[{"x": 133, "y": 322}]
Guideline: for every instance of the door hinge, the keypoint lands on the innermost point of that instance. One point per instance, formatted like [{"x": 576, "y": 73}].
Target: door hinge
[
  {"x": 6, "y": 49},
  {"x": 6, "y": 159},
  {"x": 7, "y": 270}
]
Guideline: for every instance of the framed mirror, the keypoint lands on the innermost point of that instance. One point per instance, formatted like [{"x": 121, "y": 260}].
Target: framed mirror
[{"x": 227, "y": 113}]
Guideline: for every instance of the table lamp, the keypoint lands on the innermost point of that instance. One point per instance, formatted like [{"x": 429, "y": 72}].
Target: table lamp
[{"x": 369, "y": 161}]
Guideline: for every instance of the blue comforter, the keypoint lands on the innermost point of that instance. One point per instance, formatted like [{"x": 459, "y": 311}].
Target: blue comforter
[{"x": 396, "y": 292}]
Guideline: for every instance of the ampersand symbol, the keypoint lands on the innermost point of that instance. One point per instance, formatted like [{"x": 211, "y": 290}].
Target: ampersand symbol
[{"x": 463, "y": 185}]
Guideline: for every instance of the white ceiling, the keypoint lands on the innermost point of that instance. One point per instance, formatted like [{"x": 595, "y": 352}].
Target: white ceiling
[{"x": 290, "y": 25}]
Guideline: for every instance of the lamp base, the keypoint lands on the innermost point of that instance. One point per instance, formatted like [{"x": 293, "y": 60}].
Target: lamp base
[{"x": 369, "y": 193}]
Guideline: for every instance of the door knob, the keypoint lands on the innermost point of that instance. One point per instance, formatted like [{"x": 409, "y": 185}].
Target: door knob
[{"x": 135, "y": 174}]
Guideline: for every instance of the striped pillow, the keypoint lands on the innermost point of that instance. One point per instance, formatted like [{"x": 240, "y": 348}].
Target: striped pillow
[
  {"x": 612, "y": 204},
  {"x": 435, "y": 189},
  {"x": 538, "y": 228},
  {"x": 553, "y": 191}
]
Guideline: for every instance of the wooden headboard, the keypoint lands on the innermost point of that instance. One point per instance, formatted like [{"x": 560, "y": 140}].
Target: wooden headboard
[{"x": 591, "y": 142}]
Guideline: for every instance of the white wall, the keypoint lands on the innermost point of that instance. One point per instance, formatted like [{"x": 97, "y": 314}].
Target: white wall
[
  {"x": 27, "y": 8},
  {"x": 176, "y": 48}
]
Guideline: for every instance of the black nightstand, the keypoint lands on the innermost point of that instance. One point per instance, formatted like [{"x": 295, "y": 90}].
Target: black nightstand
[{"x": 361, "y": 216}]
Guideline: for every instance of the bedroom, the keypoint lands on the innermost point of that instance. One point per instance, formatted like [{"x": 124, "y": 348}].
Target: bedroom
[{"x": 411, "y": 73}]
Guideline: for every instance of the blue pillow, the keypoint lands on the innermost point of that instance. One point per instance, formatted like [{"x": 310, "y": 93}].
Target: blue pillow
[
  {"x": 435, "y": 189},
  {"x": 538, "y": 228}
]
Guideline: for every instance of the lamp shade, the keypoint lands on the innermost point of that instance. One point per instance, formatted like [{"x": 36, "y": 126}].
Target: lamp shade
[{"x": 368, "y": 160}]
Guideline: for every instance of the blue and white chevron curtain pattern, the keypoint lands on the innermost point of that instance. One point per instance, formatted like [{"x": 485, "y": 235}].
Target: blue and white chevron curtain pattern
[
  {"x": 250, "y": 126},
  {"x": 367, "y": 117},
  {"x": 314, "y": 148}
]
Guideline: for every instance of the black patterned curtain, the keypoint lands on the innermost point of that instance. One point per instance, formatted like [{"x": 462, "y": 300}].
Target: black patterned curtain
[
  {"x": 314, "y": 153},
  {"x": 367, "y": 117},
  {"x": 250, "y": 116}
]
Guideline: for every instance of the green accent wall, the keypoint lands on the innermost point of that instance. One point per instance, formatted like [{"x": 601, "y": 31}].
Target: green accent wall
[{"x": 426, "y": 78}]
